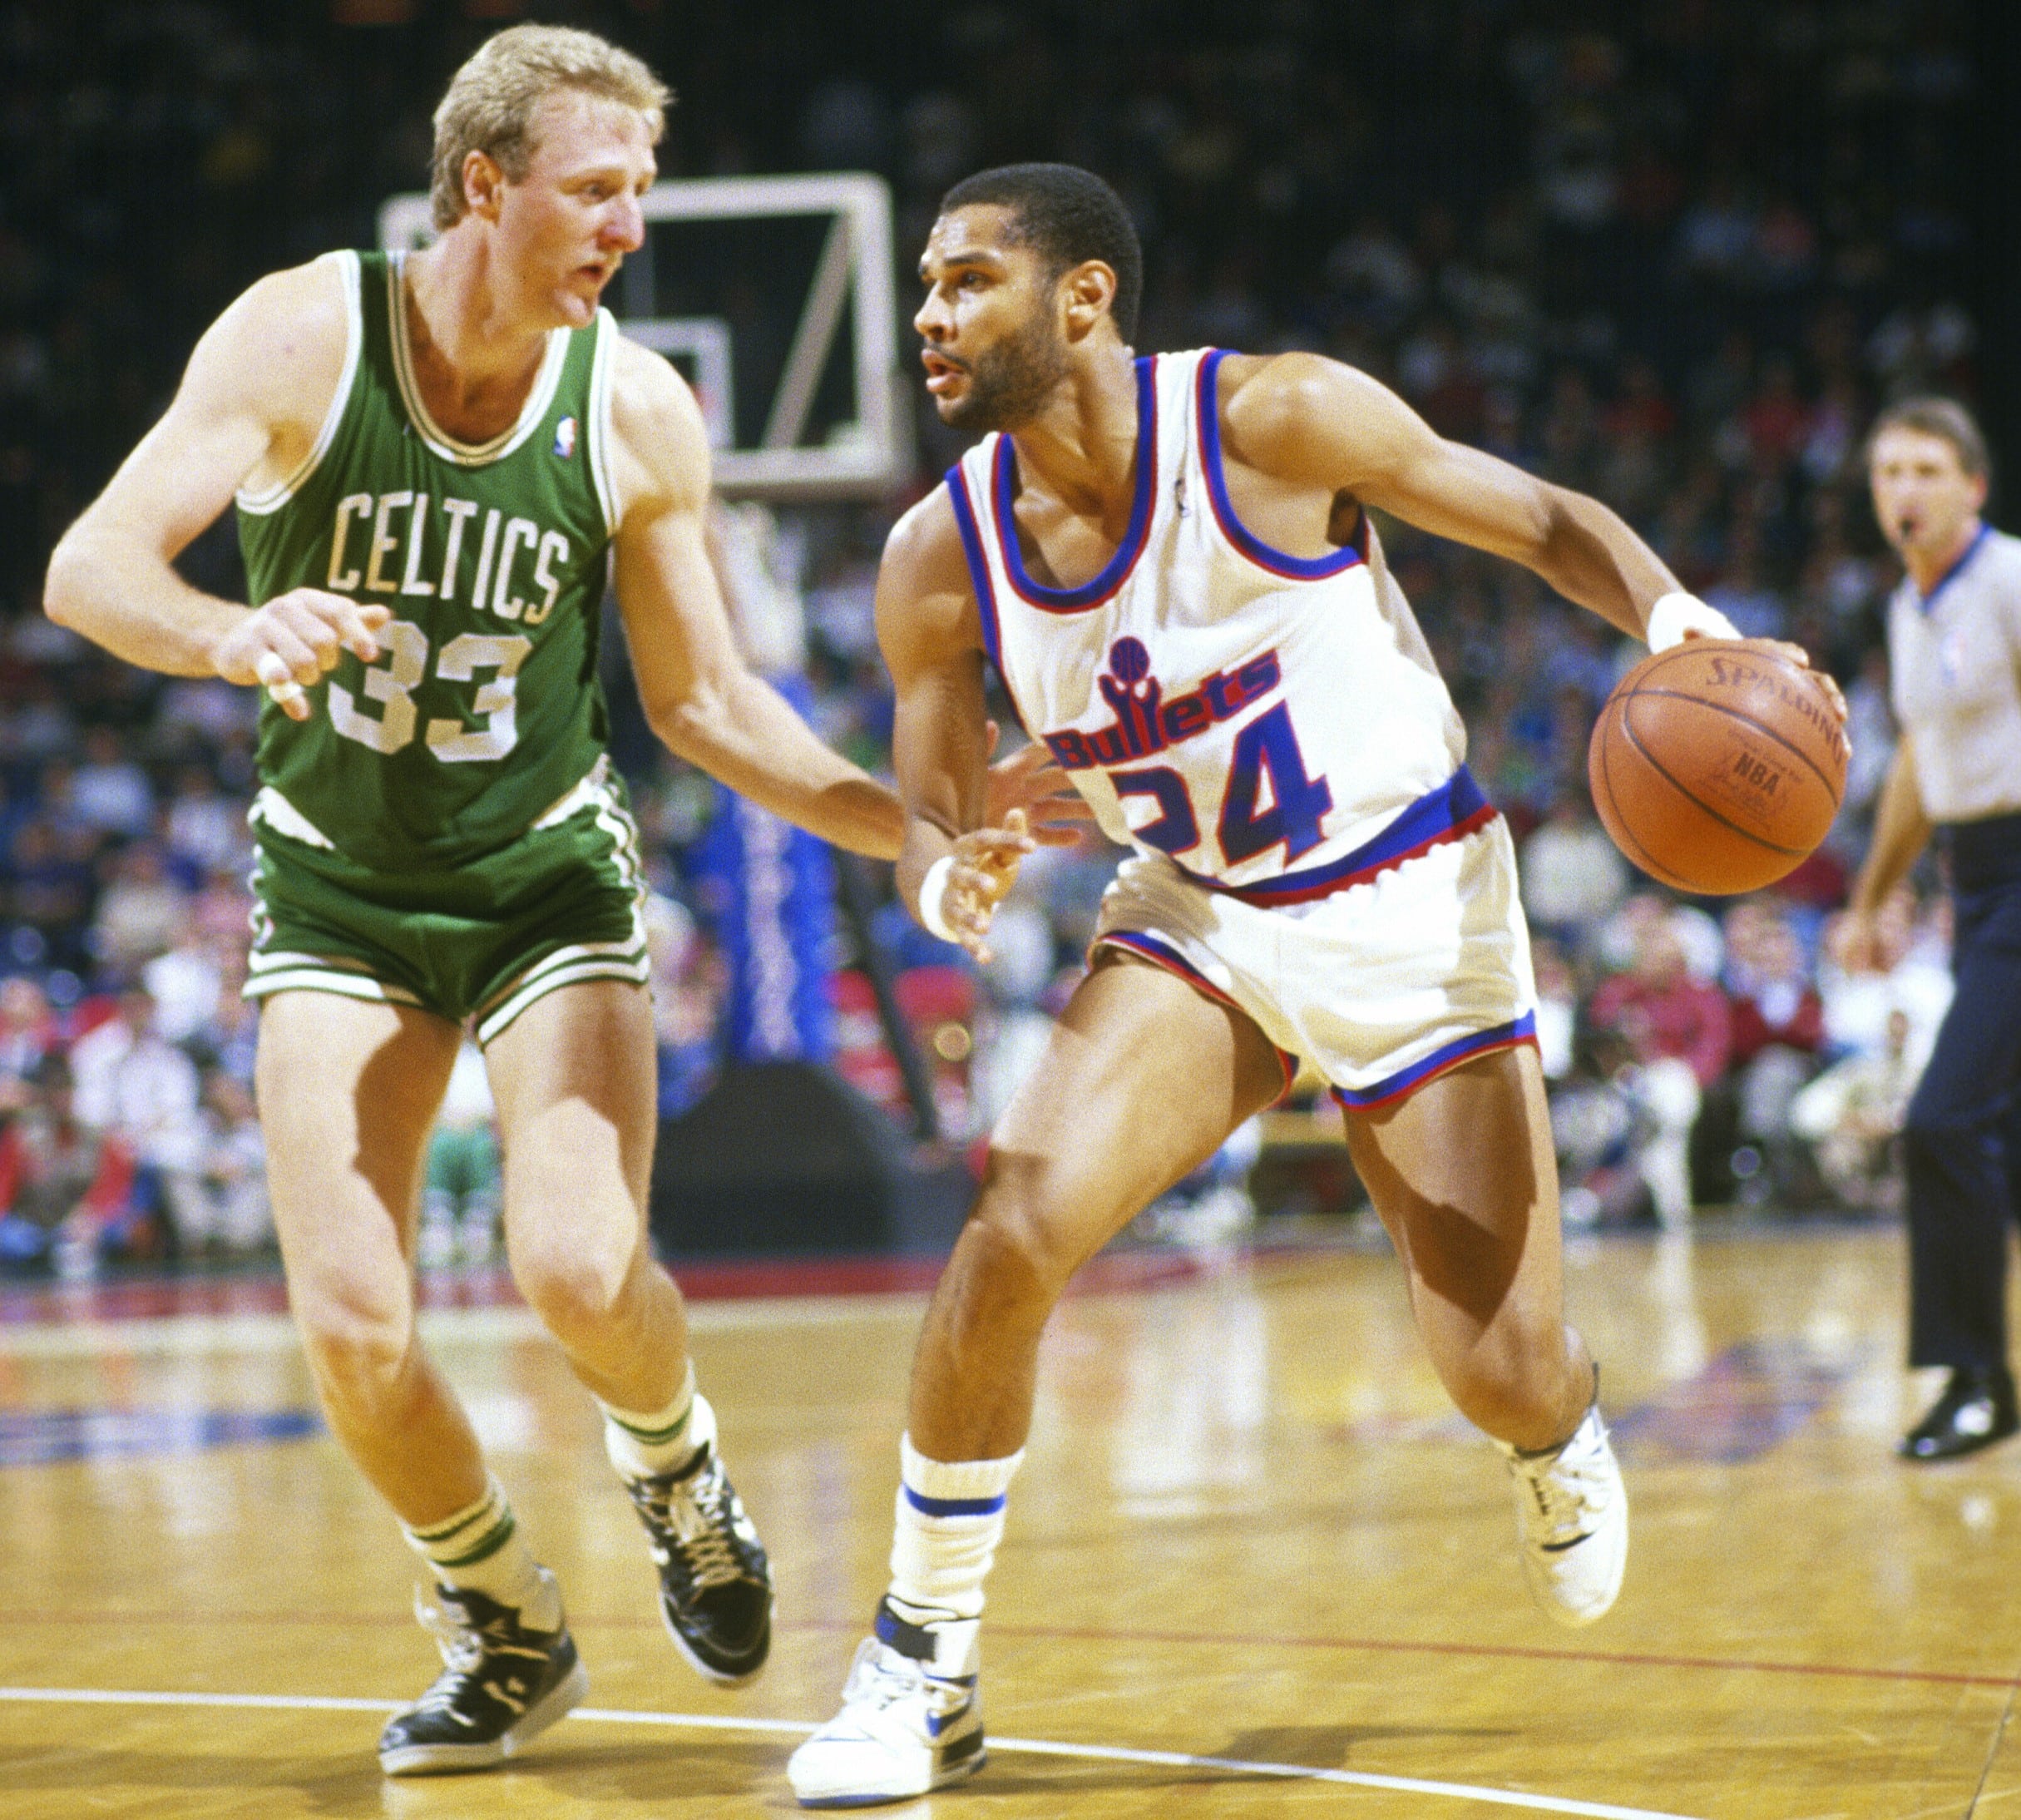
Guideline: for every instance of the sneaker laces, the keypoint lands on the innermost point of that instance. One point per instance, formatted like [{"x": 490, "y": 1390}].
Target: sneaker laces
[
  {"x": 462, "y": 1650},
  {"x": 880, "y": 1677},
  {"x": 693, "y": 1514},
  {"x": 1565, "y": 1488}
]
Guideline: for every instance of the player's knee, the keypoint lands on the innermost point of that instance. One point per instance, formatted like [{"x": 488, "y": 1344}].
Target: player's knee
[
  {"x": 575, "y": 1283},
  {"x": 1018, "y": 1237},
  {"x": 357, "y": 1344}
]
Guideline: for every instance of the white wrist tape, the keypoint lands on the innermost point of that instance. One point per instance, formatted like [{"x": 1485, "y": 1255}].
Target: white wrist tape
[
  {"x": 932, "y": 891},
  {"x": 1677, "y": 613},
  {"x": 272, "y": 669}
]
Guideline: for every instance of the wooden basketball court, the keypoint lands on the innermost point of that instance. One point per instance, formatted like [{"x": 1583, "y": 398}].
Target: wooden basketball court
[{"x": 1254, "y": 1564}]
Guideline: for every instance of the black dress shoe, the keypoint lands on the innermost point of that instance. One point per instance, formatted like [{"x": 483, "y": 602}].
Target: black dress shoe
[{"x": 1976, "y": 1409}]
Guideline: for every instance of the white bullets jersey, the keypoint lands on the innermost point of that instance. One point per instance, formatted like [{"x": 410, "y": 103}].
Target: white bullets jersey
[{"x": 1274, "y": 724}]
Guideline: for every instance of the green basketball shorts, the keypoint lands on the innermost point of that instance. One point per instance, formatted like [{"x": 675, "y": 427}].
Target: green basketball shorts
[{"x": 476, "y": 943}]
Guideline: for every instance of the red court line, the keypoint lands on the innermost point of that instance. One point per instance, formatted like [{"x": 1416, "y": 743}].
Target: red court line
[
  {"x": 740, "y": 1279},
  {"x": 392, "y": 1620}
]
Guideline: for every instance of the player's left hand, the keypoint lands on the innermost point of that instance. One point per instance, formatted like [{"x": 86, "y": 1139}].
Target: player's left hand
[
  {"x": 1030, "y": 782},
  {"x": 986, "y": 866}
]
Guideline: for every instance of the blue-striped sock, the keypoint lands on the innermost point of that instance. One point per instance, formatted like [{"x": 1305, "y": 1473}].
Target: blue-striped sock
[{"x": 950, "y": 1517}]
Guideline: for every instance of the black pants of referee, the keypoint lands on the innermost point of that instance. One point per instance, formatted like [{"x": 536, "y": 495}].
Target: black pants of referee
[{"x": 1964, "y": 1138}]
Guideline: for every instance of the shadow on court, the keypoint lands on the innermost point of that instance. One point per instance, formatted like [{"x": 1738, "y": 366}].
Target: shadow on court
[
  {"x": 556, "y": 1781},
  {"x": 1332, "y": 1747}
]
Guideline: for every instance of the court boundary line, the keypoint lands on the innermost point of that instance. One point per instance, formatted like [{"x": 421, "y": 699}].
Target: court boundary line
[
  {"x": 592, "y": 1621},
  {"x": 1038, "y": 1747}
]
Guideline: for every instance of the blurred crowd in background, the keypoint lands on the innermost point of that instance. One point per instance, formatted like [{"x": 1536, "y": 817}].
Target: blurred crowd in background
[{"x": 1675, "y": 256}]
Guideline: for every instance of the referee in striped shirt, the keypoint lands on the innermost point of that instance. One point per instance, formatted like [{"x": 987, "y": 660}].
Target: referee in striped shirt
[{"x": 1955, "y": 651}]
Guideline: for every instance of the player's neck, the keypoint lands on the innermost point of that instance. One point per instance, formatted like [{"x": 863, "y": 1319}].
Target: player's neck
[
  {"x": 474, "y": 358},
  {"x": 1082, "y": 448},
  {"x": 1928, "y": 570}
]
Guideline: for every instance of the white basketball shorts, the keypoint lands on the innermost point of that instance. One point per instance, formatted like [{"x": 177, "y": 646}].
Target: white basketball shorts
[{"x": 1381, "y": 986}]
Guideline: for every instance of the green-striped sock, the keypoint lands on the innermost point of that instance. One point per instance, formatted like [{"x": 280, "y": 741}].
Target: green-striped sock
[
  {"x": 480, "y": 1548},
  {"x": 643, "y": 1444}
]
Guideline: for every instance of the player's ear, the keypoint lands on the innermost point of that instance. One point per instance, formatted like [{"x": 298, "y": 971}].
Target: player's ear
[
  {"x": 1088, "y": 292},
  {"x": 483, "y": 184}
]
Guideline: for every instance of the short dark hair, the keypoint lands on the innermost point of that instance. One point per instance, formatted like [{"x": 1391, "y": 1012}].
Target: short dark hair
[
  {"x": 1945, "y": 418},
  {"x": 1068, "y": 215}
]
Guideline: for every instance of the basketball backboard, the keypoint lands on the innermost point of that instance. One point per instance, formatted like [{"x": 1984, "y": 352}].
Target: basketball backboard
[{"x": 773, "y": 296}]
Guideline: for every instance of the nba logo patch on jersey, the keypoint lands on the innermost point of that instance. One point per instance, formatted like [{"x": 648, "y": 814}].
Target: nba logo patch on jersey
[{"x": 565, "y": 437}]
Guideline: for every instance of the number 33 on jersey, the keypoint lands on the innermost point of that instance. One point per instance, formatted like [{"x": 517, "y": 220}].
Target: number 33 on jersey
[{"x": 482, "y": 707}]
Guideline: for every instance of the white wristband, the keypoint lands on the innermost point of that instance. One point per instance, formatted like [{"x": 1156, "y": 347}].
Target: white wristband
[
  {"x": 933, "y": 889},
  {"x": 1677, "y": 613}
]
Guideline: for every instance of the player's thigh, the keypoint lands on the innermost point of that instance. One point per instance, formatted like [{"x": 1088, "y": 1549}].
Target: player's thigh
[
  {"x": 1141, "y": 1080},
  {"x": 574, "y": 1078},
  {"x": 348, "y": 1091},
  {"x": 1465, "y": 1178}
]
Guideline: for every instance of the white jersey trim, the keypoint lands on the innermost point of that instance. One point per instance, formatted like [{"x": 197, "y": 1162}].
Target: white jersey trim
[
  {"x": 599, "y": 426},
  {"x": 438, "y": 440},
  {"x": 264, "y": 501}
]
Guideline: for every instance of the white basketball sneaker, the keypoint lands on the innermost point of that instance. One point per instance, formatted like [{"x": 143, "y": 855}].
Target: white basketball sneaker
[
  {"x": 1572, "y": 1519},
  {"x": 905, "y": 1728}
]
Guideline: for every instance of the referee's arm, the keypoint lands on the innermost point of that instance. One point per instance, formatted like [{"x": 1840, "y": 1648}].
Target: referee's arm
[{"x": 1901, "y": 831}]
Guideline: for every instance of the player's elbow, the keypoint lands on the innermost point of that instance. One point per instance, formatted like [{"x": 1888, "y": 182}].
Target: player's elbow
[
  {"x": 67, "y": 591},
  {"x": 696, "y": 725}
]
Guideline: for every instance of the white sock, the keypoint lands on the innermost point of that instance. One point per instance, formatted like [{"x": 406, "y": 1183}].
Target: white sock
[
  {"x": 644, "y": 1444},
  {"x": 950, "y": 1517},
  {"x": 479, "y": 1549}
]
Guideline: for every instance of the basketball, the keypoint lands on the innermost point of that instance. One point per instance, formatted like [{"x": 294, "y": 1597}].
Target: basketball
[{"x": 1718, "y": 766}]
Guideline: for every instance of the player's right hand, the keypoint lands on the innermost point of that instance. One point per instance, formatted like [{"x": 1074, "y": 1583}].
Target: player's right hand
[
  {"x": 294, "y": 641},
  {"x": 985, "y": 867}
]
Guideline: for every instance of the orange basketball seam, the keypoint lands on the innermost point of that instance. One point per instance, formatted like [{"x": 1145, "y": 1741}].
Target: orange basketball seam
[
  {"x": 1662, "y": 874},
  {"x": 1746, "y": 833},
  {"x": 1734, "y": 714}
]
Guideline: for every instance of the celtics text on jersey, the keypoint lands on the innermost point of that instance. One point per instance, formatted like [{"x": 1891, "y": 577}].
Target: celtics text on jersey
[{"x": 482, "y": 707}]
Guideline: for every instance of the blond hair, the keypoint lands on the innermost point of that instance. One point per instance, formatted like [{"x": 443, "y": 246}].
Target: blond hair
[{"x": 492, "y": 100}]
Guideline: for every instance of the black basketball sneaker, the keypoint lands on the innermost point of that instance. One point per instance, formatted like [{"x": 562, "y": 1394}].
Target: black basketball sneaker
[
  {"x": 715, "y": 1584},
  {"x": 501, "y": 1684}
]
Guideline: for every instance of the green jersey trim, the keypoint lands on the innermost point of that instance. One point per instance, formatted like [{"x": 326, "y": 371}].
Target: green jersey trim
[
  {"x": 437, "y": 440},
  {"x": 271, "y": 499}
]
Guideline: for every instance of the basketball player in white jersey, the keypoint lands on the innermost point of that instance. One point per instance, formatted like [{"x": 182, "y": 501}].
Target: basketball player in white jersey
[{"x": 1169, "y": 562}]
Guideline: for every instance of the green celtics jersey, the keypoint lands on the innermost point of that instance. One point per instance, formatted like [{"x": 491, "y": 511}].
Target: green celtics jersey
[{"x": 483, "y": 708}]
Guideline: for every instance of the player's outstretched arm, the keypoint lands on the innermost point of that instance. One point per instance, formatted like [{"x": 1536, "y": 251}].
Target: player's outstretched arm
[
  {"x": 954, "y": 870},
  {"x": 254, "y": 396},
  {"x": 699, "y": 695},
  {"x": 1307, "y": 419}
]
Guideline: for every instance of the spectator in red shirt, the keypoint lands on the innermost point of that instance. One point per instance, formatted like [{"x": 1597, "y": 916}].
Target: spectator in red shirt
[
  {"x": 1679, "y": 1030},
  {"x": 1664, "y": 1010}
]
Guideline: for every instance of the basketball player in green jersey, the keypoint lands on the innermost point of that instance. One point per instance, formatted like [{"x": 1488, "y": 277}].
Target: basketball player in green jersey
[{"x": 438, "y": 462}]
